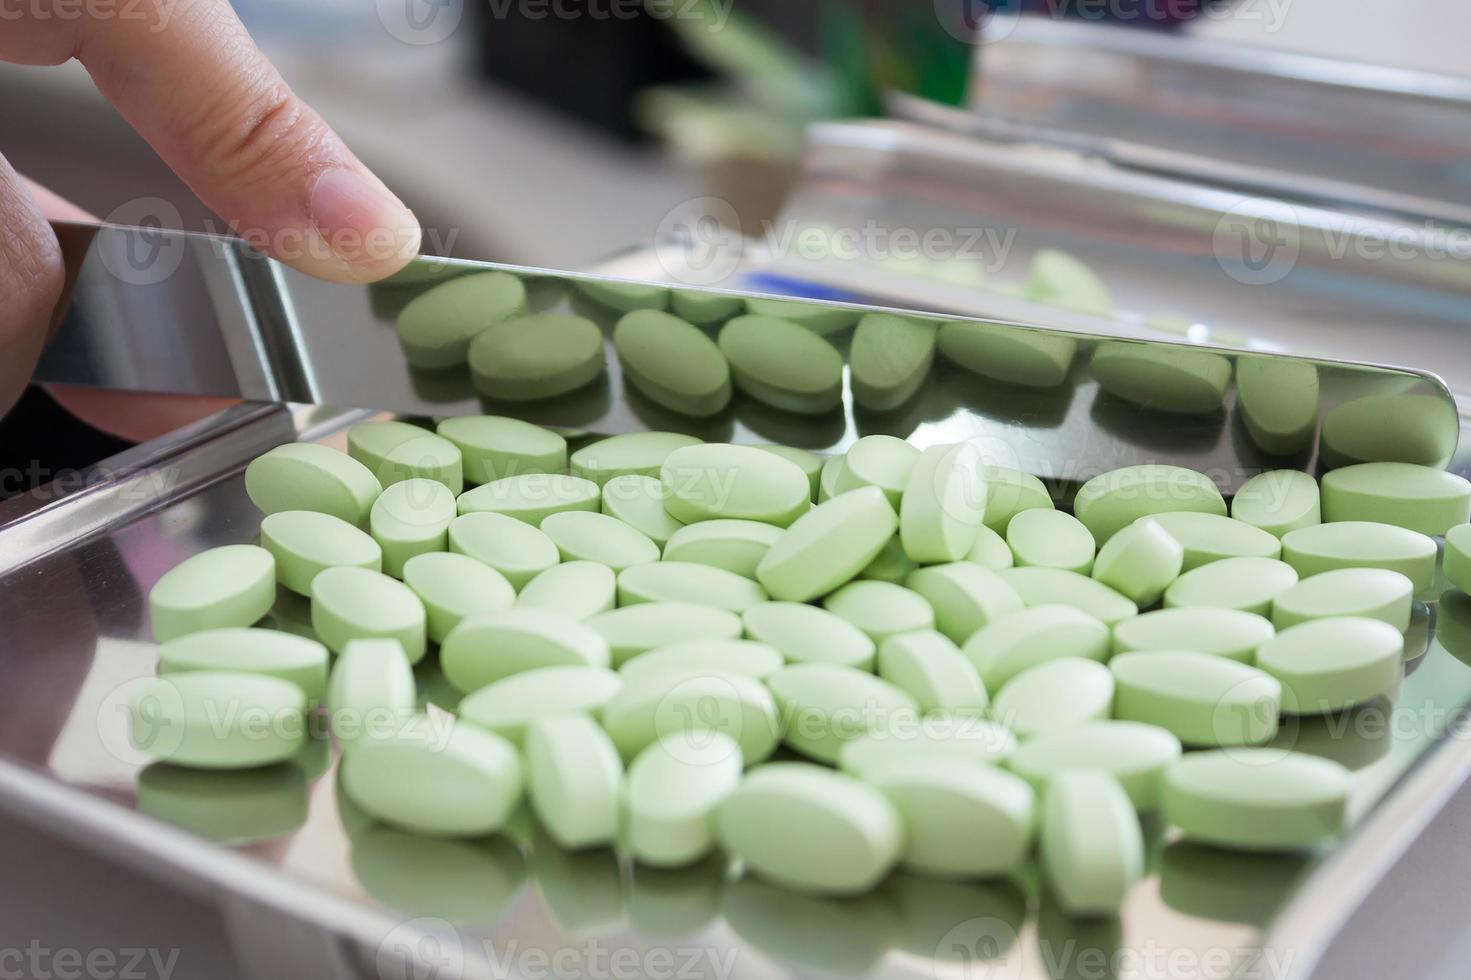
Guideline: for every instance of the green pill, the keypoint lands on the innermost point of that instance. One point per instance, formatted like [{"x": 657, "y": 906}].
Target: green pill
[
  {"x": 672, "y": 363},
  {"x": 732, "y": 545},
  {"x": 490, "y": 646},
  {"x": 1420, "y": 498},
  {"x": 1055, "y": 586},
  {"x": 943, "y": 503},
  {"x": 824, "y": 705},
  {"x": 716, "y": 480},
  {"x": 1228, "y": 633},
  {"x": 514, "y": 548},
  {"x": 1112, "y": 501},
  {"x": 356, "y": 604},
  {"x": 809, "y": 463},
  {"x": 706, "y": 308},
  {"x": 1163, "y": 378},
  {"x": 827, "y": 478},
  {"x": 1361, "y": 544},
  {"x": 1008, "y": 493},
  {"x": 807, "y": 634},
  {"x": 1140, "y": 562},
  {"x": 1394, "y": 426},
  {"x": 810, "y": 829},
  {"x": 1055, "y": 695},
  {"x": 493, "y": 447},
  {"x": 410, "y": 518},
  {"x": 306, "y": 476},
  {"x": 828, "y": 546},
  {"x": 428, "y": 457},
  {"x": 509, "y": 706},
  {"x": 1330, "y": 664},
  {"x": 929, "y": 667},
  {"x": 889, "y": 565},
  {"x": 677, "y": 581},
  {"x": 958, "y": 741},
  {"x": 633, "y": 453},
  {"x": 574, "y": 589},
  {"x": 234, "y": 585},
  {"x": 573, "y": 780},
  {"x": 1136, "y": 755},
  {"x": 654, "y": 706},
  {"x": 638, "y": 501},
  {"x": 748, "y": 658},
  {"x": 304, "y": 542},
  {"x": 241, "y": 807},
  {"x": 1211, "y": 537},
  {"x": 1202, "y": 700},
  {"x": 878, "y": 461},
  {"x": 1458, "y": 557},
  {"x": 674, "y": 791},
  {"x": 532, "y": 497},
  {"x": 1371, "y": 593},
  {"x": 820, "y": 318},
  {"x": 624, "y": 297},
  {"x": 534, "y": 357},
  {"x": 436, "y": 327},
  {"x": 965, "y": 597},
  {"x": 1033, "y": 636},
  {"x": 1278, "y": 400},
  {"x": 1059, "y": 279},
  {"x": 890, "y": 358},
  {"x": 638, "y": 629},
  {"x": 216, "y": 719},
  {"x": 435, "y": 778},
  {"x": 1257, "y": 799},
  {"x": 454, "y": 587},
  {"x": 585, "y": 536},
  {"x": 370, "y": 442},
  {"x": 1050, "y": 539},
  {"x": 1033, "y": 359},
  {"x": 292, "y": 658},
  {"x": 960, "y": 822},
  {"x": 1091, "y": 844},
  {"x": 371, "y": 693},
  {"x": 782, "y": 364},
  {"x": 1278, "y": 501},
  {"x": 990, "y": 550},
  {"x": 881, "y": 609},
  {"x": 1248, "y": 584}
]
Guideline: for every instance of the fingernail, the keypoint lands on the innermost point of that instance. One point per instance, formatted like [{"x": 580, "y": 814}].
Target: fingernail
[{"x": 361, "y": 222}]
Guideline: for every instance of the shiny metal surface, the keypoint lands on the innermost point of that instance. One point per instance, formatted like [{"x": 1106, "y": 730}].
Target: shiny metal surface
[{"x": 1323, "y": 130}]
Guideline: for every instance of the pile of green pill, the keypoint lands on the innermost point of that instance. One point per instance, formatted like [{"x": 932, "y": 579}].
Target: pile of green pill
[{"x": 826, "y": 668}]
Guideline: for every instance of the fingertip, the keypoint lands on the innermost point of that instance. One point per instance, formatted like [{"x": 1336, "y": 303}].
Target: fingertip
[{"x": 360, "y": 232}]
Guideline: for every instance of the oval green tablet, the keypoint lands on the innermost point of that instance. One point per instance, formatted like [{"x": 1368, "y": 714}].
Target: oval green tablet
[
  {"x": 930, "y": 668},
  {"x": 233, "y": 585},
  {"x": 1395, "y": 426},
  {"x": 1201, "y": 699},
  {"x": 1034, "y": 359},
  {"x": 490, "y": 646},
  {"x": 1278, "y": 501},
  {"x": 782, "y": 364},
  {"x": 828, "y": 545},
  {"x": 964, "y": 596},
  {"x": 292, "y": 658},
  {"x": 891, "y": 564},
  {"x": 677, "y": 581},
  {"x": 1059, "y": 279},
  {"x": 1003, "y": 649},
  {"x": 370, "y": 442},
  {"x": 960, "y": 741},
  {"x": 1055, "y": 695},
  {"x": 735, "y": 546},
  {"x": 807, "y": 634},
  {"x": 1112, "y": 501},
  {"x": 1162, "y": 377},
  {"x": 1008, "y": 493},
  {"x": 811, "y": 829},
  {"x": 702, "y": 657},
  {"x": 656, "y": 705},
  {"x": 638, "y": 501},
  {"x": 1458, "y": 557},
  {"x": 410, "y": 518},
  {"x": 436, "y": 326},
  {"x": 583, "y": 536},
  {"x": 241, "y": 807},
  {"x": 1257, "y": 799},
  {"x": 739, "y": 482},
  {"x": 1247, "y": 584},
  {"x": 1211, "y": 537},
  {"x": 510, "y": 705},
  {"x": 706, "y": 308},
  {"x": 306, "y": 476},
  {"x": 574, "y": 589},
  {"x": 827, "y": 479},
  {"x": 824, "y": 705},
  {"x": 633, "y": 453},
  {"x": 352, "y": 603},
  {"x": 1140, "y": 562},
  {"x": 493, "y": 447},
  {"x": 1229, "y": 633},
  {"x": 1372, "y": 593},
  {"x": 990, "y": 550},
  {"x": 1361, "y": 544},
  {"x": 672, "y": 362},
  {"x": 514, "y": 548},
  {"x": 820, "y": 318},
  {"x": 533, "y": 357},
  {"x": 304, "y": 542},
  {"x": 943, "y": 503},
  {"x": 809, "y": 463},
  {"x": 453, "y": 587},
  {"x": 1420, "y": 498},
  {"x": 878, "y": 461},
  {"x": 436, "y": 778},
  {"x": 1051, "y": 539},
  {"x": 532, "y": 497},
  {"x": 1331, "y": 664},
  {"x": 371, "y": 693},
  {"x": 674, "y": 790},
  {"x": 1054, "y": 586},
  {"x": 640, "y": 628},
  {"x": 960, "y": 822},
  {"x": 1278, "y": 401},
  {"x": 890, "y": 358},
  {"x": 429, "y": 457},
  {"x": 215, "y": 719},
  {"x": 1092, "y": 847},
  {"x": 1136, "y": 755},
  {"x": 881, "y": 609},
  {"x": 573, "y": 780},
  {"x": 624, "y": 296}
]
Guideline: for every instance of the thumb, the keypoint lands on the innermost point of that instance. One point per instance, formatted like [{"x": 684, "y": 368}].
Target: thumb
[{"x": 31, "y": 275}]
